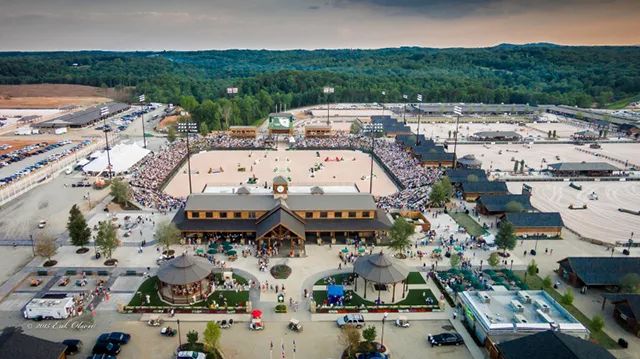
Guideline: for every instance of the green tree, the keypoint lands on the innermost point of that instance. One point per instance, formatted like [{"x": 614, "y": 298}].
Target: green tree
[
  {"x": 597, "y": 323},
  {"x": 171, "y": 133},
  {"x": 567, "y": 297},
  {"x": 400, "y": 233},
  {"x": 514, "y": 207},
  {"x": 188, "y": 103},
  {"x": 441, "y": 192},
  {"x": 192, "y": 339},
  {"x": 121, "y": 191},
  {"x": 369, "y": 334},
  {"x": 355, "y": 128},
  {"x": 454, "y": 260},
  {"x": 506, "y": 238},
  {"x": 521, "y": 166},
  {"x": 204, "y": 129},
  {"x": 79, "y": 232},
  {"x": 167, "y": 234},
  {"x": 107, "y": 239},
  {"x": 630, "y": 283},
  {"x": 515, "y": 166},
  {"x": 212, "y": 334},
  {"x": 532, "y": 270},
  {"x": 546, "y": 282},
  {"x": 494, "y": 259}
]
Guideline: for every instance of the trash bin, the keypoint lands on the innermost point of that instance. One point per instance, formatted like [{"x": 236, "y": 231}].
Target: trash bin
[
  {"x": 533, "y": 252},
  {"x": 98, "y": 255},
  {"x": 623, "y": 343}
]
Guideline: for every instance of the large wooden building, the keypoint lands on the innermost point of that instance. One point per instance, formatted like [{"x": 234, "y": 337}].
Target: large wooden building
[
  {"x": 500, "y": 204},
  {"x": 471, "y": 190},
  {"x": 582, "y": 169},
  {"x": 597, "y": 271},
  {"x": 536, "y": 224},
  {"x": 282, "y": 216}
]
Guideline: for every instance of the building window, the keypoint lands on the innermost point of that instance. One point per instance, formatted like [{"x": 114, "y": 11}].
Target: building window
[
  {"x": 323, "y": 214},
  {"x": 208, "y": 214},
  {"x": 337, "y": 214},
  {"x": 308, "y": 214},
  {"x": 237, "y": 215},
  {"x": 352, "y": 214},
  {"x": 195, "y": 214},
  {"x": 366, "y": 214},
  {"x": 223, "y": 214},
  {"x": 252, "y": 214}
]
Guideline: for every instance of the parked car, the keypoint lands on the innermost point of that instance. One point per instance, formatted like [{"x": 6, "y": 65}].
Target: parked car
[
  {"x": 445, "y": 339},
  {"x": 106, "y": 348},
  {"x": 114, "y": 337},
  {"x": 373, "y": 355},
  {"x": 356, "y": 320},
  {"x": 102, "y": 356},
  {"x": 191, "y": 355},
  {"x": 73, "y": 346}
]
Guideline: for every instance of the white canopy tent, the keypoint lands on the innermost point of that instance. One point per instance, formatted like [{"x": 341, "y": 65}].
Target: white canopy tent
[{"x": 123, "y": 156}]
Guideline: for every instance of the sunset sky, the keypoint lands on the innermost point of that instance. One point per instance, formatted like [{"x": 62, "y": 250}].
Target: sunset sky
[{"x": 311, "y": 24}]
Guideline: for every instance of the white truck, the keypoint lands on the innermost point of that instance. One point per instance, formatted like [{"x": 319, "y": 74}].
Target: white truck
[
  {"x": 23, "y": 131},
  {"x": 49, "y": 308},
  {"x": 60, "y": 130}
]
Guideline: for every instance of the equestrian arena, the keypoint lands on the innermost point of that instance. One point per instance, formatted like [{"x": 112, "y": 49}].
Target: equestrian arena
[{"x": 237, "y": 167}]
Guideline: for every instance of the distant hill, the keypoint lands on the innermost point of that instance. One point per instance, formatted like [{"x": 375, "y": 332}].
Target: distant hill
[{"x": 532, "y": 73}]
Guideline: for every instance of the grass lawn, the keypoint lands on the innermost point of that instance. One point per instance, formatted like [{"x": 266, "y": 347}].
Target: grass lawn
[
  {"x": 601, "y": 337},
  {"x": 469, "y": 224},
  {"x": 414, "y": 297},
  {"x": 415, "y": 278},
  {"x": 147, "y": 287},
  {"x": 338, "y": 278}
]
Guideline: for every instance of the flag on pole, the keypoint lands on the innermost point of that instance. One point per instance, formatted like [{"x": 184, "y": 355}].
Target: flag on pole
[
  {"x": 282, "y": 343},
  {"x": 384, "y": 93}
]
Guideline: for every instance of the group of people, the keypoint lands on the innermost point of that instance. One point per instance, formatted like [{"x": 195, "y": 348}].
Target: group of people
[
  {"x": 149, "y": 175},
  {"x": 416, "y": 179}
]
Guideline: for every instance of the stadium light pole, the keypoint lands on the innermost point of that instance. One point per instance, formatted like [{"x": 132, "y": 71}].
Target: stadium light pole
[
  {"x": 187, "y": 128},
  {"x": 404, "y": 108},
  {"x": 231, "y": 91},
  {"x": 373, "y": 128},
  {"x": 142, "y": 98},
  {"x": 458, "y": 111},
  {"x": 419, "y": 98},
  {"x": 328, "y": 91},
  {"x": 104, "y": 112},
  {"x": 384, "y": 94}
]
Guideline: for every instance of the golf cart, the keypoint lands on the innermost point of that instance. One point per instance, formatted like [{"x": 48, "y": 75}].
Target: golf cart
[
  {"x": 256, "y": 320},
  {"x": 402, "y": 322},
  {"x": 168, "y": 331},
  {"x": 295, "y": 325}
]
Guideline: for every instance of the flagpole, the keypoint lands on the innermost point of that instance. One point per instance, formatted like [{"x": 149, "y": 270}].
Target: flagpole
[{"x": 271, "y": 350}]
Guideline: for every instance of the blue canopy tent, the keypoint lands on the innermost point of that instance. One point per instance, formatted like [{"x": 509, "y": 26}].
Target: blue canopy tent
[{"x": 335, "y": 293}]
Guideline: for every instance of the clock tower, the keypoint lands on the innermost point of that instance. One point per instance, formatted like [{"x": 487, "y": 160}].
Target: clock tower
[{"x": 280, "y": 187}]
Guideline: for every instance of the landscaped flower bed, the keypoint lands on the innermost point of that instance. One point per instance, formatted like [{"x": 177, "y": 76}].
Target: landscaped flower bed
[{"x": 280, "y": 271}]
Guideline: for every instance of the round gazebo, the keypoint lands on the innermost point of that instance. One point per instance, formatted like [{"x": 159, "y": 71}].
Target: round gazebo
[
  {"x": 185, "y": 279},
  {"x": 469, "y": 161},
  {"x": 381, "y": 270}
]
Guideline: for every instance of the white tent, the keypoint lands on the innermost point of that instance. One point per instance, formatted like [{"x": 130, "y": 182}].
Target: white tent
[{"x": 122, "y": 158}]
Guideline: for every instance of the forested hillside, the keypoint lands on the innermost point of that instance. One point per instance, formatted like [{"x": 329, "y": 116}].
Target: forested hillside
[{"x": 582, "y": 76}]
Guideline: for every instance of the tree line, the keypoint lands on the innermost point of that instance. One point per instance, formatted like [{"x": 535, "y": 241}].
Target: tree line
[{"x": 581, "y": 76}]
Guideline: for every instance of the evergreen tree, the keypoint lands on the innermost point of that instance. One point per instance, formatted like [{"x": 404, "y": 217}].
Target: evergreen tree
[
  {"x": 79, "y": 232},
  {"x": 506, "y": 238},
  {"x": 107, "y": 239}
]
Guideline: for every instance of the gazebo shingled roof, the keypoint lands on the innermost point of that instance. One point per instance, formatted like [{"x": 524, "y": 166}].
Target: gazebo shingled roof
[
  {"x": 380, "y": 268},
  {"x": 184, "y": 269}
]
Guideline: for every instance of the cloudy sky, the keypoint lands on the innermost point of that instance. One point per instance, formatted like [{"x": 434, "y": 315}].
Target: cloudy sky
[{"x": 310, "y": 24}]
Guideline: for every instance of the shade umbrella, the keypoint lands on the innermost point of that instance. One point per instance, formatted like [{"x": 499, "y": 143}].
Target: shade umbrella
[
  {"x": 345, "y": 250},
  {"x": 212, "y": 251},
  {"x": 199, "y": 251},
  {"x": 361, "y": 250},
  {"x": 256, "y": 313},
  {"x": 458, "y": 248},
  {"x": 437, "y": 250},
  {"x": 231, "y": 253}
]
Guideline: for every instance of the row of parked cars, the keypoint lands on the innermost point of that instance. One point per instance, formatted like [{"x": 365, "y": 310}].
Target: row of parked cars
[
  {"x": 49, "y": 159},
  {"x": 27, "y": 151}
]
